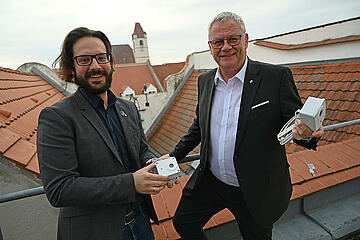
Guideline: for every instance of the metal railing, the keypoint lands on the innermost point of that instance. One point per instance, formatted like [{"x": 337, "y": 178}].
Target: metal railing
[{"x": 40, "y": 190}]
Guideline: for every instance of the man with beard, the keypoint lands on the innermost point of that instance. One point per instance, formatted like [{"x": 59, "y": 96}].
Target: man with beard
[{"x": 92, "y": 150}]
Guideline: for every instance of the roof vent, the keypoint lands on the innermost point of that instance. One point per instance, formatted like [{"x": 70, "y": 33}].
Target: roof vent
[
  {"x": 34, "y": 100},
  {"x": 5, "y": 113}
]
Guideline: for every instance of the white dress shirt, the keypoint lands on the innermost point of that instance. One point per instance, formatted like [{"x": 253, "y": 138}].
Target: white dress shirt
[{"x": 224, "y": 116}]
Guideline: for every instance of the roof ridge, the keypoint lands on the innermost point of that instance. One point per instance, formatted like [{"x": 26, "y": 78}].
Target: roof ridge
[
  {"x": 307, "y": 29},
  {"x": 26, "y": 96},
  {"x": 327, "y": 64},
  {"x": 327, "y": 90},
  {"x": 9, "y": 70},
  {"x": 339, "y": 72},
  {"x": 19, "y": 80},
  {"x": 9, "y": 122}
]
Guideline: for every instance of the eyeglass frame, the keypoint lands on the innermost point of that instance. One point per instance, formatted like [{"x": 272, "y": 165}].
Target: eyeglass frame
[
  {"x": 108, "y": 57},
  {"x": 227, "y": 40}
]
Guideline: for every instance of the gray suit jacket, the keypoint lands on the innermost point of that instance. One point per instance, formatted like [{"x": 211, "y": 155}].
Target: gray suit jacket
[
  {"x": 260, "y": 161},
  {"x": 81, "y": 170}
]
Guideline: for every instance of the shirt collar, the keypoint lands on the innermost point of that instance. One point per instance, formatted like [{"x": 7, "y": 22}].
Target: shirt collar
[
  {"x": 95, "y": 100},
  {"x": 239, "y": 75}
]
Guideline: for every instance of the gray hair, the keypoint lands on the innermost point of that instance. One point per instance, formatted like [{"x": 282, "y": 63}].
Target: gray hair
[{"x": 225, "y": 16}]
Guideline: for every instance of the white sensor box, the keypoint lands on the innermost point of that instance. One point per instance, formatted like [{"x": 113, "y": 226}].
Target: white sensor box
[
  {"x": 312, "y": 114},
  {"x": 168, "y": 167}
]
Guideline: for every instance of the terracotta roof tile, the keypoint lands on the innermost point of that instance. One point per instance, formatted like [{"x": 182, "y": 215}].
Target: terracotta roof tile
[
  {"x": 211, "y": 223},
  {"x": 33, "y": 165},
  {"x": 354, "y": 172},
  {"x": 334, "y": 163},
  {"x": 165, "y": 70},
  {"x": 223, "y": 217},
  {"x": 159, "y": 231},
  {"x": 132, "y": 75},
  {"x": 160, "y": 206},
  {"x": 169, "y": 231},
  {"x": 338, "y": 83},
  {"x": 22, "y": 97},
  {"x": 329, "y": 168},
  {"x": 21, "y": 152}
]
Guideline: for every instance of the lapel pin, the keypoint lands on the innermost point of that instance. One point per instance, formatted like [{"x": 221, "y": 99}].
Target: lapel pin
[
  {"x": 251, "y": 81},
  {"x": 123, "y": 114}
]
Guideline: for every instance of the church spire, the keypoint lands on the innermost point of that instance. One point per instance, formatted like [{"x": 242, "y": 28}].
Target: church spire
[{"x": 140, "y": 46}]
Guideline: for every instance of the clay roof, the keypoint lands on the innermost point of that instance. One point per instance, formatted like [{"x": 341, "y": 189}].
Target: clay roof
[
  {"x": 338, "y": 156},
  {"x": 282, "y": 46},
  {"x": 165, "y": 70},
  {"x": 138, "y": 31},
  {"x": 335, "y": 163},
  {"x": 123, "y": 54},
  {"x": 132, "y": 75},
  {"x": 22, "y": 97},
  {"x": 338, "y": 83}
]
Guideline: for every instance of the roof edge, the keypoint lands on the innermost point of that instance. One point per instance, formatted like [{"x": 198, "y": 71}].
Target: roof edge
[
  {"x": 282, "y": 46},
  {"x": 307, "y": 29},
  {"x": 154, "y": 76},
  {"x": 166, "y": 107},
  {"x": 321, "y": 62}
]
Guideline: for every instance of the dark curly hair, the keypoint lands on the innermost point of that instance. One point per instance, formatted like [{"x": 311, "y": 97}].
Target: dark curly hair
[{"x": 65, "y": 59}]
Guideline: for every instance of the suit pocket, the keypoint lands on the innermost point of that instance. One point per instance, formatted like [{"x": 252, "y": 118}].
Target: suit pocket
[{"x": 260, "y": 104}]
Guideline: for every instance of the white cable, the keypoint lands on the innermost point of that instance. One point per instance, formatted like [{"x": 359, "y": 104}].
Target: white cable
[
  {"x": 310, "y": 165},
  {"x": 285, "y": 135}
]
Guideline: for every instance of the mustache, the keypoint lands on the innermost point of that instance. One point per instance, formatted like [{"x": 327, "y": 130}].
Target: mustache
[{"x": 95, "y": 72}]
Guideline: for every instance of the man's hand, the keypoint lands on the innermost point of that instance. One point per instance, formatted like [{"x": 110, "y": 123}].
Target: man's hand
[
  {"x": 301, "y": 131},
  {"x": 148, "y": 183}
]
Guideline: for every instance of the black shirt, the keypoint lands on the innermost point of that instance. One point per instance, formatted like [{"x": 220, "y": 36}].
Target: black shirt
[{"x": 111, "y": 121}]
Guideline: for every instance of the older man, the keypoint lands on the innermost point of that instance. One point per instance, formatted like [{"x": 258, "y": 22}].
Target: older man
[
  {"x": 92, "y": 150},
  {"x": 242, "y": 105}
]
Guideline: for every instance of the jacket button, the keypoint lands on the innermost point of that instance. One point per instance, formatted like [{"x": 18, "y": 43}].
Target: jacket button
[{"x": 200, "y": 169}]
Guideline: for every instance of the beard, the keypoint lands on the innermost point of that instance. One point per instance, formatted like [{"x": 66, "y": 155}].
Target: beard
[{"x": 84, "y": 83}]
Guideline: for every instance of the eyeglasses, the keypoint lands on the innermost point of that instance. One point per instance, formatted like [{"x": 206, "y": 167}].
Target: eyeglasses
[
  {"x": 86, "y": 60},
  {"x": 232, "y": 41}
]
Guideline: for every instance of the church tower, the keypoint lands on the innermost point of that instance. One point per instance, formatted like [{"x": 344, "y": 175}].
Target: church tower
[{"x": 140, "y": 45}]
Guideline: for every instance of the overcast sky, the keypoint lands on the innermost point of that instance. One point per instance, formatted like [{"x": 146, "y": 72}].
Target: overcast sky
[{"x": 33, "y": 30}]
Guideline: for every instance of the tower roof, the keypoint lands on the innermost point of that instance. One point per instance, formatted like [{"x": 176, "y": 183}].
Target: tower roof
[
  {"x": 123, "y": 53},
  {"x": 138, "y": 31}
]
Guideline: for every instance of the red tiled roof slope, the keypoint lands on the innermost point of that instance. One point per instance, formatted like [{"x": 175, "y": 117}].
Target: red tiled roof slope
[
  {"x": 178, "y": 118},
  {"x": 132, "y": 75},
  {"x": 164, "y": 70},
  {"x": 22, "y": 97},
  {"x": 334, "y": 164},
  {"x": 338, "y": 83},
  {"x": 337, "y": 159}
]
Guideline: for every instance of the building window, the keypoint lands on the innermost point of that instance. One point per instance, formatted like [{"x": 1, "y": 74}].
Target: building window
[{"x": 141, "y": 43}]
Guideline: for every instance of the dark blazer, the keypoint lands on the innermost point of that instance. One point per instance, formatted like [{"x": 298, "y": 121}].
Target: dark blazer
[
  {"x": 81, "y": 170},
  {"x": 260, "y": 161}
]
